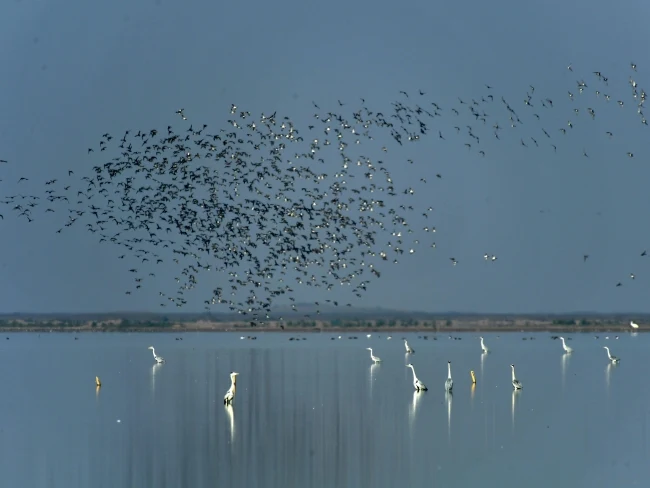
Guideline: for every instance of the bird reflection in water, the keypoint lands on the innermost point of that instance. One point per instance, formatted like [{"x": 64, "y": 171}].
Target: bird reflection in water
[
  {"x": 471, "y": 393},
  {"x": 154, "y": 369},
  {"x": 406, "y": 361},
  {"x": 417, "y": 396},
  {"x": 515, "y": 396},
  {"x": 608, "y": 373},
  {"x": 565, "y": 362},
  {"x": 483, "y": 356},
  {"x": 231, "y": 417},
  {"x": 448, "y": 398},
  {"x": 373, "y": 368}
]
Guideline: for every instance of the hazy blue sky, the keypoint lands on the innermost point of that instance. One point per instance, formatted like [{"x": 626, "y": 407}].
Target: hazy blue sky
[{"x": 73, "y": 70}]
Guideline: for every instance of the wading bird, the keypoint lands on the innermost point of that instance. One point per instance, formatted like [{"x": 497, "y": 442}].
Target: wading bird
[
  {"x": 515, "y": 382},
  {"x": 372, "y": 356},
  {"x": 159, "y": 359},
  {"x": 409, "y": 349},
  {"x": 613, "y": 359},
  {"x": 567, "y": 349},
  {"x": 483, "y": 346},
  {"x": 230, "y": 394},
  {"x": 419, "y": 386},
  {"x": 449, "y": 384}
]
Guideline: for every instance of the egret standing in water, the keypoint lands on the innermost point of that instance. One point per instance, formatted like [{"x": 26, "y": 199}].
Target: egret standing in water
[
  {"x": 409, "y": 349},
  {"x": 159, "y": 359},
  {"x": 230, "y": 394},
  {"x": 633, "y": 324},
  {"x": 515, "y": 382},
  {"x": 419, "y": 386},
  {"x": 484, "y": 347},
  {"x": 372, "y": 356},
  {"x": 567, "y": 349},
  {"x": 613, "y": 359},
  {"x": 449, "y": 384},
  {"x": 471, "y": 373}
]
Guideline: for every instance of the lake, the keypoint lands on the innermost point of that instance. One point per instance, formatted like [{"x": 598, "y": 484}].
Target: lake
[{"x": 317, "y": 413}]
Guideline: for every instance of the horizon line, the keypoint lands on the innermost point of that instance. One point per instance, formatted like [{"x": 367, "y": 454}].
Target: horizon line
[{"x": 348, "y": 311}]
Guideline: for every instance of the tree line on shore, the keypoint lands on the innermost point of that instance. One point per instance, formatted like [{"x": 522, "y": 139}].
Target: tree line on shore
[{"x": 392, "y": 321}]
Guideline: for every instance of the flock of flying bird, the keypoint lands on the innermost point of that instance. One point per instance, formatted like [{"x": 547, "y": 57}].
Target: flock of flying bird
[{"x": 273, "y": 206}]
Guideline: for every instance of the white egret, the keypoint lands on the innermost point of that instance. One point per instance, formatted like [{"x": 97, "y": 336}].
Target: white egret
[
  {"x": 230, "y": 394},
  {"x": 98, "y": 383},
  {"x": 515, "y": 382},
  {"x": 159, "y": 359},
  {"x": 409, "y": 349},
  {"x": 419, "y": 386},
  {"x": 471, "y": 373},
  {"x": 567, "y": 349},
  {"x": 372, "y": 356},
  {"x": 613, "y": 359},
  {"x": 484, "y": 347},
  {"x": 449, "y": 384},
  {"x": 633, "y": 324}
]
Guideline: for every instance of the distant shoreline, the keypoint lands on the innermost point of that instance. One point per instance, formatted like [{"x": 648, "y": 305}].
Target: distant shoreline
[
  {"x": 356, "y": 321},
  {"x": 247, "y": 329}
]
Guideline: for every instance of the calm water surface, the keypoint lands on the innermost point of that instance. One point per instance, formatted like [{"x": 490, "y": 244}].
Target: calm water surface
[{"x": 317, "y": 413}]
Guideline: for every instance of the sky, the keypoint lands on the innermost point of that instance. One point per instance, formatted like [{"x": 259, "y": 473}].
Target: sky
[{"x": 74, "y": 70}]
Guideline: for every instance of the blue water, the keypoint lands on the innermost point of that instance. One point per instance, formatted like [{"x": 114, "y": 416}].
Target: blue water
[{"x": 317, "y": 413}]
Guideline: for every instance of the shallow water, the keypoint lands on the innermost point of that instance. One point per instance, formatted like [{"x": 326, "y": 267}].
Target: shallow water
[{"x": 316, "y": 413}]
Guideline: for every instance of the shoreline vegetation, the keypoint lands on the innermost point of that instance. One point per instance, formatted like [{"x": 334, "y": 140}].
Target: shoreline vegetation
[{"x": 308, "y": 320}]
